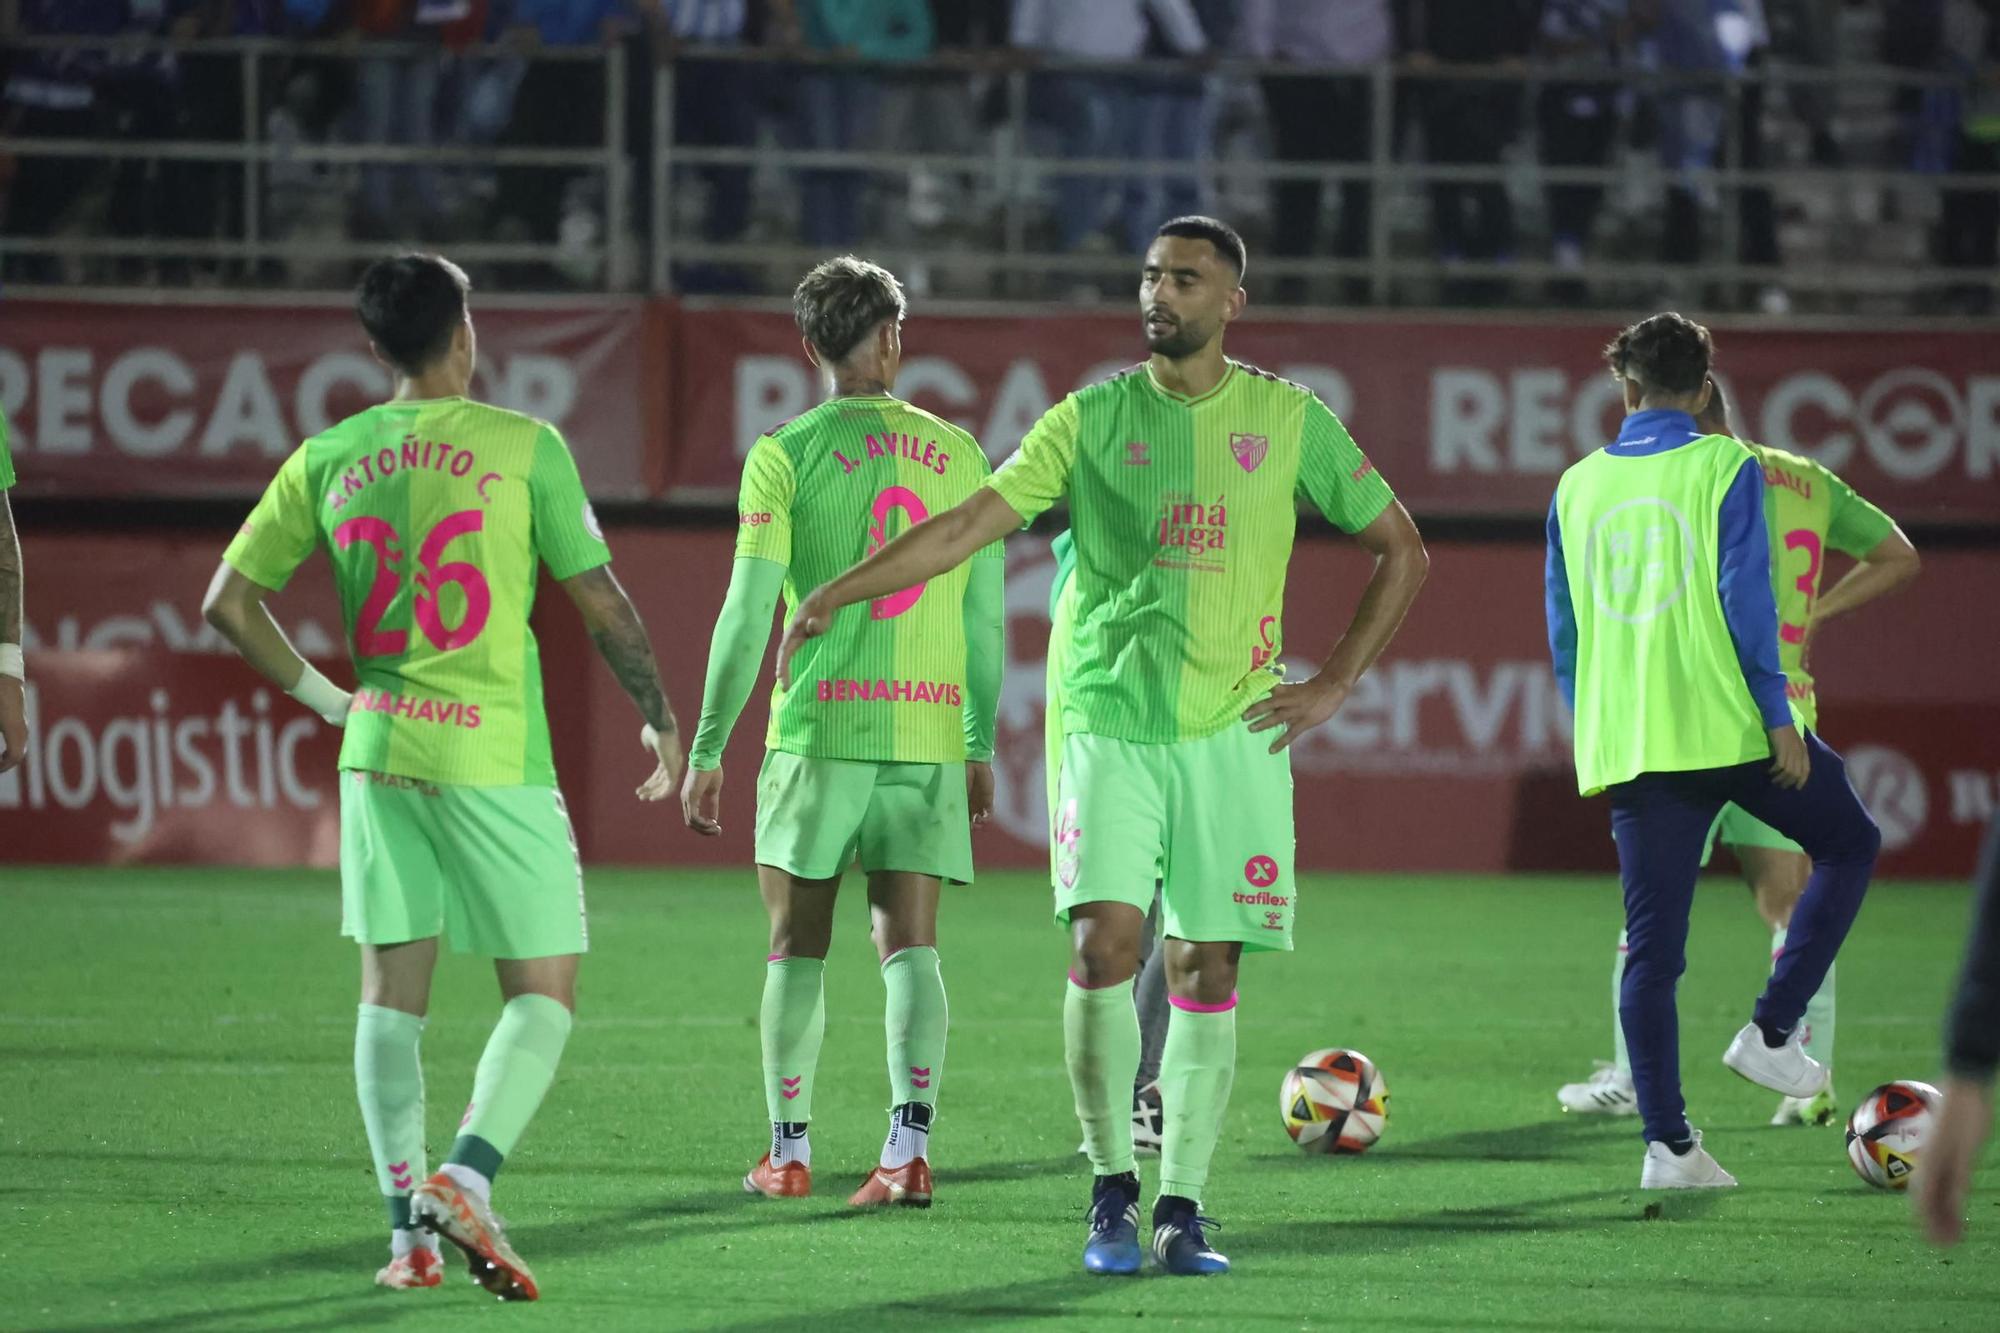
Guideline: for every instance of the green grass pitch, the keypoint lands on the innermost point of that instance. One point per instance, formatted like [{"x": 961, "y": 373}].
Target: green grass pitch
[{"x": 179, "y": 1146}]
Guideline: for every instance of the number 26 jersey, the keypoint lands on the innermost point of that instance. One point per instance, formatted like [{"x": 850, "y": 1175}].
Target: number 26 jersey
[
  {"x": 434, "y": 514},
  {"x": 886, "y": 682}
]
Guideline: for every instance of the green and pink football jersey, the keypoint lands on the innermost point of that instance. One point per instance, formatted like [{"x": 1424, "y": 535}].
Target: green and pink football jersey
[
  {"x": 886, "y": 682},
  {"x": 434, "y": 515},
  {"x": 1184, "y": 511},
  {"x": 1808, "y": 510}
]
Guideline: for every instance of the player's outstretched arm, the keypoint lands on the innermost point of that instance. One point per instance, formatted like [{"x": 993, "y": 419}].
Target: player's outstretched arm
[
  {"x": 621, "y": 640},
  {"x": 234, "y": 605},
  {"x": 13, "y": 684},
  {"x": 1401, "y": 565},
  {"x": 943, "y": 541}
]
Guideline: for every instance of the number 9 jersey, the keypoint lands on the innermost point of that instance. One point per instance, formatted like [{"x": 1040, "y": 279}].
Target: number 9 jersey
[
  {"x": 886, "y": 683},
  {"x": 434, "y": 514}
]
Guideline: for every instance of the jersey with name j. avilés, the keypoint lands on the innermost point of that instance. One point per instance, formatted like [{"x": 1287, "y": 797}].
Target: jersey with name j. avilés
[
  {"x": 433, "y": 514},
  {"x": 1183, "y": 511},
  {"x": 887, "y": 681},
  {"x": 1809, "y": 511}
]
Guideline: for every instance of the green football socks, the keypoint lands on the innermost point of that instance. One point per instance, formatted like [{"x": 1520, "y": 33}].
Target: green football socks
[
  {"x": 792, "y": 1024},
  {"x": 390, "y": 1083},
  {"x": 1197, "y": 1067},
  {"x": 915, "y": 1020},
  {"x": 1101, "y": 1047},
  {"x": 514, "y": 1075},
  {"x": 1819, "y": 1011}
]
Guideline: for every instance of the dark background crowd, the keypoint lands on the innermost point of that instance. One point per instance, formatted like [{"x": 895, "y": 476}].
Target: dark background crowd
[{"x": 1662, "y": 90}]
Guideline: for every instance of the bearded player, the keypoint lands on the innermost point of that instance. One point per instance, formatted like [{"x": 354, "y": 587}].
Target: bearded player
[
  {"x": 882, "y": 750},
  {"x": 1183, "y": 476},
  {"x": 434, "y": 511},
  {"x": 1809, "y": 511}
]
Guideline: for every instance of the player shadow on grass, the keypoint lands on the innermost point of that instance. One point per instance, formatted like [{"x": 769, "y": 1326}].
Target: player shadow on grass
[{"x": 1554, "y": 1141}]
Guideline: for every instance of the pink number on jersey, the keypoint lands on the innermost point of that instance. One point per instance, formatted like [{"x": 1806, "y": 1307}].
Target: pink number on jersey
[
  {"x": 478, "y": 596},
  {"x": 370, "y": 639},
  {"x": 912, "y": 505},
  {"x": 1808, "y": 540}
]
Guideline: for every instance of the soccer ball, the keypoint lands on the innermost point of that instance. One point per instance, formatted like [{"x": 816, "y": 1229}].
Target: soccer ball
[
  {"x": 1888, "y": 1129},
  {"x": 1334, "y": 1101}
]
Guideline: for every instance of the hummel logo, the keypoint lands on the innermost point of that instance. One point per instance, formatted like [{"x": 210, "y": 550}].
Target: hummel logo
[
  {"x": 467, "y": 1117},
  {"x": 399, "y": 1173},
  {"x": 791, "y": 1086},
  {"x": 1138, "y": 453},
  {"x": 919, "y": 1077}
]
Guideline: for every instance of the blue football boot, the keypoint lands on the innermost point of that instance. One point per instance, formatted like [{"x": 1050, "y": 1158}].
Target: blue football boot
[
  {"x": 1113, "y": 1248},
  {"x": 1179, "y": 1246}
]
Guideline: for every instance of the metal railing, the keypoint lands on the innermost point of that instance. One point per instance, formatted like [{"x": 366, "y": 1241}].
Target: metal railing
[{"x": 1007, "y": 171}]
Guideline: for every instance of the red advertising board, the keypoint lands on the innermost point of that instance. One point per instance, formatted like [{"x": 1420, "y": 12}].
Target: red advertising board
[
  {"x": 1463, "y": 418},
  {"x": 1452, "y": 755},
  {"x": 171, "y": 400}
]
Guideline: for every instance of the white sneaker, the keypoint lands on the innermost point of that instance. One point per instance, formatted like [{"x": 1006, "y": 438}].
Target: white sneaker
[
  {"x": 1692, "y": 1170},
  {"x": 1820, "y": 1109},
  {"x": 1148, "y": 1121},
  {"x": 1787, "y": 1069},
  {"x": 1606, "y": 1092}
]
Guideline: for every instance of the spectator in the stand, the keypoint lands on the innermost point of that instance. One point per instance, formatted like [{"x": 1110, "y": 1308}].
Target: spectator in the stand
[
  {"x": 561, "y": 104},
  {"x": 1579, "y": 117},
  {"x": 1174, "y": 118},
  {"x": 1719, "y": 39},
  {"x": 838, "y": 107},
  {"x": 1471, "y": 122},
  {"x": 1095, "y": 114},
  {"x": 1969, "y": 222},
  {"x": 1320, "y": 117},
  {"x": 51, "y": 95},
  {"x": 396, "y": 106},
  {"x": 715, "y": 106}
]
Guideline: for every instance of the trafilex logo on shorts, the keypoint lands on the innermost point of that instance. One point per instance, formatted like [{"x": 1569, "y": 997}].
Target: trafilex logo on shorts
[{"x": 1194, "y": 534}]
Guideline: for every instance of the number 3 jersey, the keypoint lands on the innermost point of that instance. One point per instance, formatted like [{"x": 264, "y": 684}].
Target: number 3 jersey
[
  {"x": 434, "y": 514},
  {"x": 886, "y": 682},
  {"x": 1808, "y": 510}
]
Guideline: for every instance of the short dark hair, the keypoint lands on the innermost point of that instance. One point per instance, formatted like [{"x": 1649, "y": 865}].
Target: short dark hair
[
  {"x": 842, "y": 301},
  {"x": 411, "y": 305},
  {"x": 1668, "y": 352},
  {"x": 1216, "y": 232}
]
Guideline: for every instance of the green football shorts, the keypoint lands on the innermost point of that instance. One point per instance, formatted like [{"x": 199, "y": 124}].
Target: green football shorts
[
  {"x": 814, "y": 816},
  {"x": 1735, "y": 827},
  {"x": 493, "y": 869},
  {"x": 1209, "y": 819}
]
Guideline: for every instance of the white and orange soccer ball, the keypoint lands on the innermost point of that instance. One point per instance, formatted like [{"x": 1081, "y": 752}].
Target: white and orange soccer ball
[
  {"x": 1887, "y": 1131},
  {"x": 1334, "y": 1101}
]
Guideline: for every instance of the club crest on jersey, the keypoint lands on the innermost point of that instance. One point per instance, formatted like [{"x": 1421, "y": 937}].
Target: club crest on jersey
[
  {"x": 1138, "y": 453},
  {"x": 1249, "y": 450}
]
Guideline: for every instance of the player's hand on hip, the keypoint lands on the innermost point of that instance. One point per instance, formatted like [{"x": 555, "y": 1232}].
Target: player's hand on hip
[
  {"x": 701, "y": 800},
  {"x": 1297, "y": 708},
  {"x": 979, "y": 791},
  {"x": 808, "y": 622},
  {"x": 1938, "y": 1191},
  {"x": 14, "y": 723},
  {"x": 665, "y": 747},
  {"x": 1791, "y": 765}
]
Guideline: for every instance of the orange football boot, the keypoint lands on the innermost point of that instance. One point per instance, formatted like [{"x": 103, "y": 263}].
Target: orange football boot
[
  {"x": 419, "y": 1268},
  {"x": 441, "y": 1206},
  {"x": 908, "y": 1186},
  {"x": 793, "y": 1180}
]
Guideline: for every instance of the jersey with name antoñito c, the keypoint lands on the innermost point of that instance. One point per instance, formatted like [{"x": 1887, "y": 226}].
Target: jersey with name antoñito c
[
  {"x": 434, "y": 514},
  {"x": 1183, "y": 511},
  {"x": 886, "y": 682}
]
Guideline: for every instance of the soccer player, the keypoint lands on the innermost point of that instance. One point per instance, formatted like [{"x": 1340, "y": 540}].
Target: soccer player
[
  {"x": 1183, "y": 477},
  {"x": 1149, "y": 989},
  {"x": 1808, "y": 510},
  {"x": 1971, "y": 1054},
  {"x": 883, "y": 745},
  {"x": 13, "y": 670},
  {"x": 434, "y": 511},
  {"x": 1664, "y": 630}
]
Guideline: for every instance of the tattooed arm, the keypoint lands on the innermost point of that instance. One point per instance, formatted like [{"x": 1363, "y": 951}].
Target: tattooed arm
[{"x": 621, "y": 640}]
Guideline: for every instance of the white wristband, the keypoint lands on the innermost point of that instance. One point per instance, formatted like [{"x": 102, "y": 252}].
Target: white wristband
[
  {"x": 11, "y": 662},
  {"x": 322, "y": 696}
]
